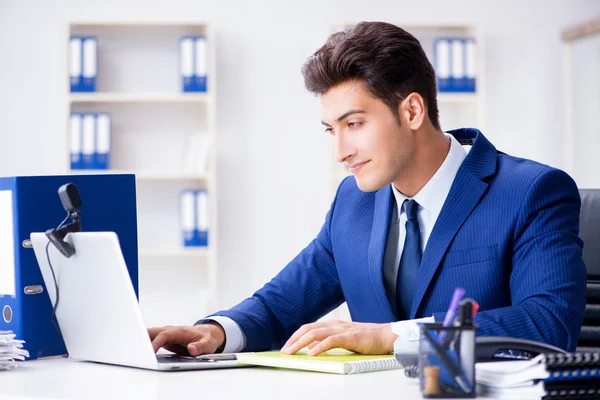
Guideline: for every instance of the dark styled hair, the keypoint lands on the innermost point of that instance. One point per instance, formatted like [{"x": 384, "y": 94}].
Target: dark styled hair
[{"x": 389, "y": 61}]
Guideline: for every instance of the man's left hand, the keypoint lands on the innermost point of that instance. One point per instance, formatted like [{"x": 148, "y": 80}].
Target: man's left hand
[{"x": 354, "y": 336}]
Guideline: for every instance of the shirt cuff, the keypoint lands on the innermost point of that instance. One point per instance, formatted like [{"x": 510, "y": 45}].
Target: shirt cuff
[
  {"x": 235, "y": 340},
  {"x": 408, "y": 334}
]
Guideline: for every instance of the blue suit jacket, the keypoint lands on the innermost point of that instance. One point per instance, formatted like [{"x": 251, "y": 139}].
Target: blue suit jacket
[{"x": 507, "y": 233}]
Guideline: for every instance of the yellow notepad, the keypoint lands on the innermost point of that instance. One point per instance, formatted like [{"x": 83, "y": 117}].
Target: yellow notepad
[{"x": 334, "y": 361}]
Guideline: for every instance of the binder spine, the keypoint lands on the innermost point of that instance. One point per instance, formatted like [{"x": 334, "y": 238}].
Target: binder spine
[
  {"x": 470, "y": 65},
  {"x": 441, "y": 56},
  {"x": 186, "y": 63},
  {"x": 88, "y": 141},
  {"x": 457, "y": 71},
  {"x": 10, "y": 297},
  {"x": 90, "y": 63},
  {"x": 75, "y": 63},
  {"x": 200, "y": 63},
  {"x": 187, "y": 208},
  {"x": 202, "y": 218},
  {"x": 75, "y": 141},
  {"x": 103, "y": 140}
]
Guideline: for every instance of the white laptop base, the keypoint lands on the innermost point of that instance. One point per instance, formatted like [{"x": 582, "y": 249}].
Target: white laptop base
[{"x": 98, "y": 313}]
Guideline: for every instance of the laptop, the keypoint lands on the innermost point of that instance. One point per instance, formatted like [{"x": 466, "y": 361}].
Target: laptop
[{"x": 98, "y": 312}]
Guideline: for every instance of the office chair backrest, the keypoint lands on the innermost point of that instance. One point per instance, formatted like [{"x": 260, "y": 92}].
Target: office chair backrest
[{"x": 589, "y": 231}]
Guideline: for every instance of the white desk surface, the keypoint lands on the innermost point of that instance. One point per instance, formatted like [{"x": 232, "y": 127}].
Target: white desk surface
[{"x": 69, "y": 379}]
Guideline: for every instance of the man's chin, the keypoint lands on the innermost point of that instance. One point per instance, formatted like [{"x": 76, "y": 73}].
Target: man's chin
[{"x": 366, "y": 185}]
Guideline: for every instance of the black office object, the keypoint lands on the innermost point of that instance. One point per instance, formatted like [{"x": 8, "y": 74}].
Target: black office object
[{"x": 500, "y": 348}]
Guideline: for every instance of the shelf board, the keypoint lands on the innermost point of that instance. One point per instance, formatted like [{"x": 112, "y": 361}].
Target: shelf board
[
  {"x": 199, "y": 252},
  {"x": 465, "y": 26},
  {"x": 448, "y": 97},
  {"x": 145, "y": 175},
  {"x": 99, "y": 97},
  {"x": 134, "y": 24}
]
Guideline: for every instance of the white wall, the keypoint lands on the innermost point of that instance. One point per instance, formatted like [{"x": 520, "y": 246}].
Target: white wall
[{"x": 274, "y": 161}]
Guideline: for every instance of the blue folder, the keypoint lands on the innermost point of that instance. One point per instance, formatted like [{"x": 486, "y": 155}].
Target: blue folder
[{"x": 109, "y": 204}]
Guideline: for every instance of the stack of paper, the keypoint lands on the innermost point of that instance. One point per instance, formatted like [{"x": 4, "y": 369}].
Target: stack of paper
[
  {"x": 512, "y": 379},
  {"x": 11, "y": 350}
]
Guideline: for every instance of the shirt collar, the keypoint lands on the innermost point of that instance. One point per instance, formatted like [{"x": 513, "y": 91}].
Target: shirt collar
[{"x": 433, "y": 195}]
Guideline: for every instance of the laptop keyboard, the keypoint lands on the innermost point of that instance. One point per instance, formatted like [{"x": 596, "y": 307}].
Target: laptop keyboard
[{"x": 178, "y": 358}]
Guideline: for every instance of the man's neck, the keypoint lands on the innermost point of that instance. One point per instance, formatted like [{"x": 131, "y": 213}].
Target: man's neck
[{"x": 431, "y": 151}]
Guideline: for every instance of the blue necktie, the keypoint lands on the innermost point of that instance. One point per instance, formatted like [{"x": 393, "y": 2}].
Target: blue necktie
[{"x": 409, "y": 262}]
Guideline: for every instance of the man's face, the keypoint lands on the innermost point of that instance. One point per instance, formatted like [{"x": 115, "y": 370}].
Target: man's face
[{"x": 368, "y": 137}]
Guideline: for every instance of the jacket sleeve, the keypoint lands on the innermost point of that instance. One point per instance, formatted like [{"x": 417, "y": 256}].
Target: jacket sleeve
[
  {"x": 548, "y": 277},
  {"x": 306, "y": 289}
]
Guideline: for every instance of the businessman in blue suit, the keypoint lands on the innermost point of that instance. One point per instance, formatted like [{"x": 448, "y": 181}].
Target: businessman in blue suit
[{"x": 424, "y": 212}]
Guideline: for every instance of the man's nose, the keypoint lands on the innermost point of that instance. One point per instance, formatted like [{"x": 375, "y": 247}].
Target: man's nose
[{"x": 343, "y": 149}]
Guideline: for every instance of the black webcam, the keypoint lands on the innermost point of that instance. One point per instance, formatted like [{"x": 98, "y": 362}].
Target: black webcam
[{"x": 71, "y": 201}]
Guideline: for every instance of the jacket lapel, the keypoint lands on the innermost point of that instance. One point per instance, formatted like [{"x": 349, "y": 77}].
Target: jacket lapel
[
  {"x": 466, "y": 191},
  {"x": 382, "y": 216}
]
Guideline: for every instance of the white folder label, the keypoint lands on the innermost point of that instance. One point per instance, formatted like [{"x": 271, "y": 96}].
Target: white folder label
[
  {"x": 186, "y": 54},
  {"x": 90, "y": 55},
  {"x": 7, "y": 245},
  {"x": 458, "y": 60},
  {"x": 202, "y": 211},
  {"x": 88, "y": 145},
  {"x": 470, "y": 58},
  {"x": 442, "y": 59},
  {"x": 75, "y": 134},
  {"x": 201, "y": 56},
  {"x": 187, "y": 211},
  {"x": 103, "y": 133},
  {"x": 75, "y": 57}
]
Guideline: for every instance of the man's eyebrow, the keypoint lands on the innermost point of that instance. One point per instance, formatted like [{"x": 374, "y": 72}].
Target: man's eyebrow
[{"x": 345, "y": 115}]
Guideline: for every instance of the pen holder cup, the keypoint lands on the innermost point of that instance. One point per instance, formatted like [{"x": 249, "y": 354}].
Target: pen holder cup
[{"x": 447, "y": 361}]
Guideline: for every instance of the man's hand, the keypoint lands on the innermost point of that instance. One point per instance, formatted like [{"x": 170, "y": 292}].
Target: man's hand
[
  {"x": 354, "y": 336},
  {"x": 194, "y": 340}
]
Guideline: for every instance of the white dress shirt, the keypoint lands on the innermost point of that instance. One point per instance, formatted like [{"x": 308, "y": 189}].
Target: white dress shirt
[{"x": 431, "y": 198}]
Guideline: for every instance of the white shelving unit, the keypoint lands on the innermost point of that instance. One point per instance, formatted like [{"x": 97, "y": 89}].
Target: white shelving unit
[
  {"x": 158, "y": 133},
  {"x": 139, "y": 98},
  {"x": 456, "y": 110},
  {"x": 581, "y": 52}
]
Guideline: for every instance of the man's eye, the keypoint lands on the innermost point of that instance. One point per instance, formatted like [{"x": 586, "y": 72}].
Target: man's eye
[
  {"x": 354, "y": 124},
  {"x": 329, "y": 130}
]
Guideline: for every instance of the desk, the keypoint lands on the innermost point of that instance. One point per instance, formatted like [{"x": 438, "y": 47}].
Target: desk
[{"x": 69, "y": 379}]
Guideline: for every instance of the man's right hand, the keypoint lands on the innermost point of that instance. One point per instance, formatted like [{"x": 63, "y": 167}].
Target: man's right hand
[{"x": 194, "y": 340}]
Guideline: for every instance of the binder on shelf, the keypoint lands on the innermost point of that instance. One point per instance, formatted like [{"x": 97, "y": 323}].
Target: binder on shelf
[
  {"x": 103, "y": 140},
  {"x": 75, "y": 141},
  {"x": 187, "y": 208},
  {"x": 88, "y": 141},
  {"x": 457, "y": 66},
  {"x": 196, "y": 153},
  {"x": 454, "y": 63},
  {"x": 90, "y": 63},
  {"x": 186, "y": 63},
  {"x": 200, "y": 62},
  {"x": 441, "y": 55},
  {"x": 470, "y": 57},
  {"x": 75, "y": 63},
  {"x": 31, "y": 204},
  {"x": 202, "y": 217}
]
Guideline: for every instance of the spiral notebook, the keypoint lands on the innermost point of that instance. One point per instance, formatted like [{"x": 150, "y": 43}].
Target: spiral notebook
[
  {"x": 573, "y": 375},
  {"x": 334, "y": 361}
]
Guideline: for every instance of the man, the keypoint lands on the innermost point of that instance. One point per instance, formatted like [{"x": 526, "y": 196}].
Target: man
[{"x": 421, "y": 216}]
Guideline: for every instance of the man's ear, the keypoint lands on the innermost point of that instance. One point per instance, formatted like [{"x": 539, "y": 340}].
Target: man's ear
[{"x": 412, "y": 111}]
